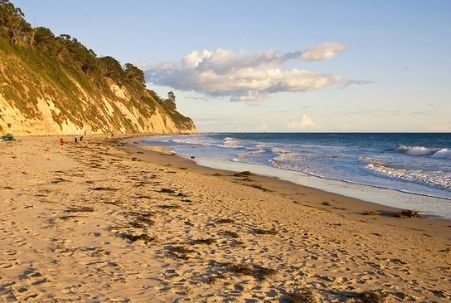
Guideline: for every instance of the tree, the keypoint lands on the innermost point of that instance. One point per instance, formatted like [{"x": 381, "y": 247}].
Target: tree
[
  {"x": 65, "y": 37},
  {"x": 171, "y": 96},
  {"x": 111, "y": 68},
  {"x": 12, "y": 23},
  {"x": 134, "y": 74},
  {"x": 170, "y": 101},
  {"x": 44, "y": 40}
]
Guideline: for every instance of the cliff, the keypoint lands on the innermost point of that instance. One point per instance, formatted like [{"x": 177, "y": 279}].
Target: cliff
[{"x": 55, "y": 85}]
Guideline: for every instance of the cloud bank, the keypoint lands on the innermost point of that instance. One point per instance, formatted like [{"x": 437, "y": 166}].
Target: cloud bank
[{"x": 247, "y": 77}]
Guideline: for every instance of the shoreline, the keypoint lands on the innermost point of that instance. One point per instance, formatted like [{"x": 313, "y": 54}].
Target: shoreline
[
  {"x": 359, "y": 206},
  {"x": 388, "y": 192},
  {"x": 105, "y": 220}
]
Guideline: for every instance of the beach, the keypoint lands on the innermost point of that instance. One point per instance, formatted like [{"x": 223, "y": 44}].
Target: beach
[{"x": 107, "y": 221}]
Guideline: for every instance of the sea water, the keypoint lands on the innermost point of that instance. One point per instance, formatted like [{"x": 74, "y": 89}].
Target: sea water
[{"x": 408, "y": 170}]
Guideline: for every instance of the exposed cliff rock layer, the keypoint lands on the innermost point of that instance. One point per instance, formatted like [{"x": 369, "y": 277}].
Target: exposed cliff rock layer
[{"x": 55, "y": 85}]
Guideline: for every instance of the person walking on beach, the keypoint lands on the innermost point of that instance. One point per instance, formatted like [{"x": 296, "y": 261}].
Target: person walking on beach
[{"x": 61, "y": 142}]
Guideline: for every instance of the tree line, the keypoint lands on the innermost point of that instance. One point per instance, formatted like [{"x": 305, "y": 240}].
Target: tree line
[{"x": 66, "y": 49}]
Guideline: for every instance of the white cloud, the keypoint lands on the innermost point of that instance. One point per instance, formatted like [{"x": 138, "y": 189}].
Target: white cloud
[
  {"x": 325, "y": 51},
  {"x": 300, "y": 122},
  {"x": 246, "y": 77}
]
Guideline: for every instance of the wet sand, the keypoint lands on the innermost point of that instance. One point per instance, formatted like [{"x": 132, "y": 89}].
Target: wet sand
[{"x": 106, "y": 221}]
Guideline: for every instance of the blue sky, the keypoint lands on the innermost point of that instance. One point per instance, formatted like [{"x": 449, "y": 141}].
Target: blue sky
[{"x": 376, "y": 65}]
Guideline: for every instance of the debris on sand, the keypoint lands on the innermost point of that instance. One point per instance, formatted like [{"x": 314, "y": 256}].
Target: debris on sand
[
  {"x": 167, "y": 191},
  {"x": 7, "y": 138},
  {"x": 302, "y": 296},
  {"x": 245, "y": 173},
  {"x": 260, "y": 231},
  {"x": 133, "y": 238},
  {"x": 256, "y": 271},
  {"x": 406, "y": 213}
]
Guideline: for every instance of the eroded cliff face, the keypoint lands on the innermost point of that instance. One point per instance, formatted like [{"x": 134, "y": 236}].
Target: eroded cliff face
[
  {"x": 55, "y": 85},
  {"x": 47, "y": 114},
  {"x": 41, "y": 107}
]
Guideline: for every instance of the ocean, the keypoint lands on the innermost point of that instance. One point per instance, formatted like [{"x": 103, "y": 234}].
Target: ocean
[{"x": 405, "y": 170}]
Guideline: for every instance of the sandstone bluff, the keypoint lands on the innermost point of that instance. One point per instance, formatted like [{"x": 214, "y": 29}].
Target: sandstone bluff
[{"x": 52, "y": 85}]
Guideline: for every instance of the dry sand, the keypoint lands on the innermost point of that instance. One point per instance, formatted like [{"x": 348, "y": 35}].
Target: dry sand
[{"x": 108, "y": 222}]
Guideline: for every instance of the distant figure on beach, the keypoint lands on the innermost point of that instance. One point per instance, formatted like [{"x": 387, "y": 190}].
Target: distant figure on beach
[
  {"x": 81, "y": 138},
  {"x": 75, "y": 140},
  {"x": 61, "y": 142}
]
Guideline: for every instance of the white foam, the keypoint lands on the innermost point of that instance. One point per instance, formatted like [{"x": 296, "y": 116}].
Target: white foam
[
  {"x": 434, "y": 178},
  {"x": 279, "y": 150},
  {"x": 287, "y": 160},
  {"x": 425, "y": 151},
  {"x": 230, "y": 142},
  {"x": 443, "y": 153},
  {"x": 192, "y": 140},
  {"x": 252, "y": 154}
]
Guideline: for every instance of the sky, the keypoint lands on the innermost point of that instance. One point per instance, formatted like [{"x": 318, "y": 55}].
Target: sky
[{"x": 277, "y": 66}]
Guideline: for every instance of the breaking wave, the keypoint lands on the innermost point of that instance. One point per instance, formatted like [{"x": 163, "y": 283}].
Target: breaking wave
[
  {"x": 441, "y": 153},
  {"x": 230, "y": 142}
]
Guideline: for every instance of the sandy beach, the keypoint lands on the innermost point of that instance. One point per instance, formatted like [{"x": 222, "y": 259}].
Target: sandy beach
[{"x": 106, "y": 221}]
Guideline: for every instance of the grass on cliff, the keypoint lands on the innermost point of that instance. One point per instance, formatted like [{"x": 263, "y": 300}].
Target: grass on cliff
[{"x": 36, "y": 64}]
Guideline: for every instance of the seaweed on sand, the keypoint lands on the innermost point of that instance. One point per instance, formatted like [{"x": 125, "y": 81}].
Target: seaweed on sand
[
  {"x": 303, "y": 296},
  {"x": 167, "y": 191},
  {"x": 79, "y": 209},
  {"x": 245, "y": 173},
  {"x": 258, "y": 272},
  {"x": 406, "y": 213},
  {"x": 179, "y": 252},
  {"x": 207, "y": 241},
  {"x": 224, "y": 220},
  {"x": 141, "y": 237},
  {"x": 260, "y": 231}
]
